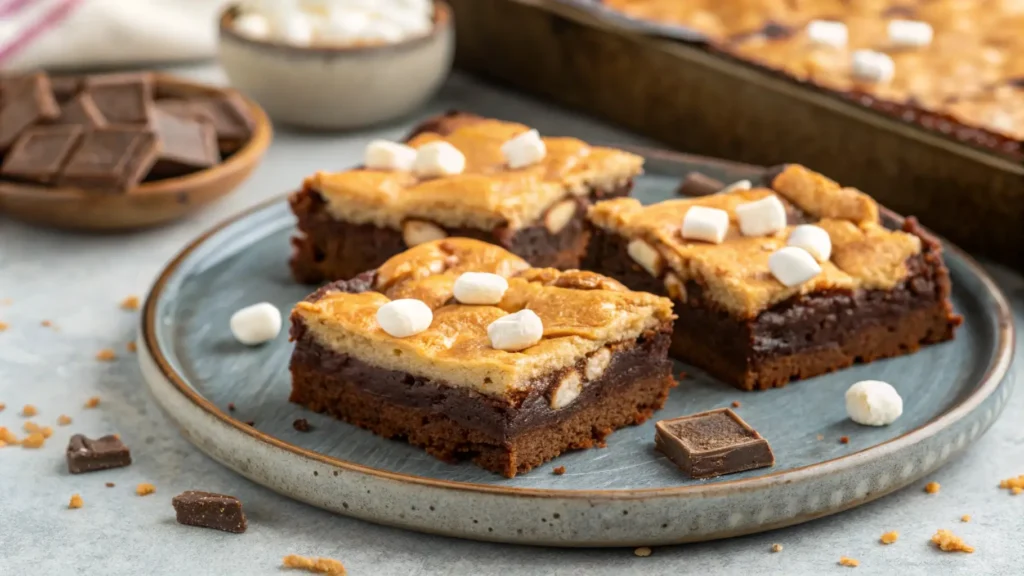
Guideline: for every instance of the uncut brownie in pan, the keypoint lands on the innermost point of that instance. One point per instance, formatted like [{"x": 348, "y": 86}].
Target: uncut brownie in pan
[
  {"x": 601, "y": 363},
  {"x": 353, "y": 221},
  {"x": 881, "y": 292}
]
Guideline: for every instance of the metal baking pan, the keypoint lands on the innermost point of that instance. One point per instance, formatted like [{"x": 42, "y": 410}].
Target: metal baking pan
[{"x": 700, "y": 101}]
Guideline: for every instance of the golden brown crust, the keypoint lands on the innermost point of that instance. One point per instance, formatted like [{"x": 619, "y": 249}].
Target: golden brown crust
[
  {"x": 581, "y": 312},
  {"x": 487, "y": 194},
  {"x": 735, "y": 273}
]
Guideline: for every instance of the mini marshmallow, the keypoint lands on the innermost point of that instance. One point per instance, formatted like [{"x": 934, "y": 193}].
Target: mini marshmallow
[
  {"x": 761, "y": 217},
  {"x": 255, "y": 26},
  {"x": 256, "y": 324},
  {"x": 342, "y": 26},
  {"x": 910, "y": 33},
  {"x": 383, "y": 31},
  {"x": 436, "y": 159},
  {"x": 793, "y": 266},
  {"x": 814, "y": 239},
  {"x": 873, "y": 403},
  {"x": 294, "y": 28},
  {"x": 385, "y": 155},
  {"x": 646, "y": 256},
  {"x": 871, "y": 66},
  {"x": 707, "y": 224},
  {"x": 480, "y": 288},
  {"x": 524, "y": 150},
  {"x": 737, "y": 185},
  {"x": 404, "y": 317},
  {"x": 828, "y": 33},
  {"x": 516, "y": 332}
]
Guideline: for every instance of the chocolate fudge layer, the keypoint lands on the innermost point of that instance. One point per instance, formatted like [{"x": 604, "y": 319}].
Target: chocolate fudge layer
[
  {"x": 883, "y": 292},
  {"x": 601, "y": 365},
  {"x": 353, "y": 221}
]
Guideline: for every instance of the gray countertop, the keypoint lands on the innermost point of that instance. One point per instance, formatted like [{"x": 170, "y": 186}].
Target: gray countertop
[{"x": 77, "y": 282}]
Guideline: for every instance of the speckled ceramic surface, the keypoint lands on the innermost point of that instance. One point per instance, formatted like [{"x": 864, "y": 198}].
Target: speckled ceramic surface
[{"x": 625, "y": 494}]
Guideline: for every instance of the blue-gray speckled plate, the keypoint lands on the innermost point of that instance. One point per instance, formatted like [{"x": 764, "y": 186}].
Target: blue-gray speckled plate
[{"x": 624, "y": 494}]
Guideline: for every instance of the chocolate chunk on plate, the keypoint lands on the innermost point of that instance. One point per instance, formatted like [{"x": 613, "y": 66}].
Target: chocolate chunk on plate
[
  {"x": 122, "y": 98},
  {"x": 209, "y": 510},
  {"x": 88, "y": 455},
  {"x": 712, "y": 443},
  {"x": 27, "y": 100},
  {"x": 40, "y": 153},
  {"x": 82, "y": 111},
  {"x": 697, "y": 184},
  {"x": 111, "y": 159},
  {"x": 186, "y": 145}
]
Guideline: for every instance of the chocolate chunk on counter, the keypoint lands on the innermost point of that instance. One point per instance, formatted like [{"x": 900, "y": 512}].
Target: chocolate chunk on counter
[
  {"x": 208, "y": 510},
  {"x": 712, "y": 443},
  {"x": 81, "y": 110},
  {"x": 87, "y": 455},
  {"x": 122, "y": 98},
  {"x": 696, "y": 184},
  {"x": 186, "y": 145},
  {"x": 111, "y": 159},
  {"x": 40, "y": 153},
  {"x": 27, "y": 100}
]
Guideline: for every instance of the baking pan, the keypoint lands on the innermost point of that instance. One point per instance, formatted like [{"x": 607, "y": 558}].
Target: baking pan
[{"x": 702, "y": 102}]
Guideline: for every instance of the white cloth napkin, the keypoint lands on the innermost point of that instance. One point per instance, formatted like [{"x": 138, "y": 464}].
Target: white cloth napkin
[{"x": 61, "y": 34}]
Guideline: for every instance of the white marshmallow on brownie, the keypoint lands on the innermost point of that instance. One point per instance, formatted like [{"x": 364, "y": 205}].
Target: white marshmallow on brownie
[
  {"x": 761, "y": 217},
  {"x": 793, "y": 266},
  {"x": 910, "y": 33},
  {"x": 404, "y": 317},
  {"x": 705, "y": 224},
  {"x": 516, "y": 332},
  {"x": 436, "y": 159},
  {"x": 828, "y": 33},
  {"x": 871, "y": 66},
  {"x": 524, "y": 150},
  {"x": 814, "y": 239},
  {"x": 386, "y": 155},
  {"x": 479, "y": 288}
]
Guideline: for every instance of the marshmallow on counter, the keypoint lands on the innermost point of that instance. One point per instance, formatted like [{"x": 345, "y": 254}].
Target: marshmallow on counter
[
  {"x": 386, "y": 155},
  {"x": 256, "y": 324},
  {"x": 252, "y": 25},
  {"x": 793, "y": 266},
  {"x": 873, "y": 403},
  {"x": 706, "y": 224},
  {"x": 814, "y": 239},
  {"x": 439, "y": 158},
  {"x": 404, "y": 317},
  {"x": 871, "y": 66},
  {"x": 516, "y": 332},
  {"x": 761, "y": 217},
  {"x": 480, "y": 288},
  {"x": 828, "y": 33},
  {"x": 524, "y": 150},
  {"x": 910, "y": 33}
]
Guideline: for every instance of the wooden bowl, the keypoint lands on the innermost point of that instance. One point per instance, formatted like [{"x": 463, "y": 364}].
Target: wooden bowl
[{"x": 150, "y": 203}]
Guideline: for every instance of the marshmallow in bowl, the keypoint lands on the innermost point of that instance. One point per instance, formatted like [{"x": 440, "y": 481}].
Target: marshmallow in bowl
[{"x": 338, "y": 22}]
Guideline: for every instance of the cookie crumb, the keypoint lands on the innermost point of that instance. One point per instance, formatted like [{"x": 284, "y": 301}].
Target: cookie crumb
[
  {"x": 1016, "y": 490},
  {"x": 250, "y": 422},
  {"x": 4, "y": 326},
  {"x": 776, "y": 547},
  {"x": 890, "y": 537},
  {"x": 76, "y": 501},
  {"x": 231, "y": 406},
  {"x": 682, "y": 376},
  {"x": 33, "y": 441},
  {"x": 63, "y": 420},
  {"x": 92, "y": 402},
  {"x": 145, "y": 489},
  {"x": 302, "y": 425},
  {"x": 821, "y": 437},
  {"x": 109, "y": 484},
  {"x": 735, "y": 403},
  {"x": 844, "y": 439},
  {"x": 132, "y": 347},
  {"x": 7, "y": 436},
  {"x": 1011, "y": 483},
  {"x": 106, "y": 355},
  {"x": 932, "y": 487},
  {"x": 46, "y": 431},
  {"x": 642, "y": 551},
  {"x": 46, "y": 323},
  {"x": 949, "y": 542},
  {"x": 558, "y": 471},
  {"x": 965, "y": 518},
  {"x": 29, "y": 411},
  {"x": 2, "y": 406},
  {"x": 844, "y": 561},
  {"x": 315, "y": 565},
  {"x": 130, "y": 303},
  {"x": 30, "y": 427}
]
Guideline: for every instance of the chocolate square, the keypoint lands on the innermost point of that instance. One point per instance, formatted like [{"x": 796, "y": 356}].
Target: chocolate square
[
  {"x": 209, "y": 510},
  {"x": 697, "y": 184},
  {"x": 122, "y": 98},
  {"x": 712, "y": 443},
  {"x": 40, "y": 153},
  {"x": 65, "y": 87},
  {"x": 228, "y": 113},
  {"x": 27, "y": 100},
  {"x": 111, "y": 159},
  {"x": 186, "y": 145},
  {"x": 81, "y": 110},
  {"x": 88, "y": 455}
]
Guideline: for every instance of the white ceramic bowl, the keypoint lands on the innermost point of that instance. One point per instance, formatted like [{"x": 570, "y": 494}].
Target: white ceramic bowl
[{"x": 334, "y": 88}]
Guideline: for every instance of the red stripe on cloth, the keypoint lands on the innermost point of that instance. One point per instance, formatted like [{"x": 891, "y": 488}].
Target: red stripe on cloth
[
  {"x": 9, "y": 8},
  {"x": 49, "y": 20}
]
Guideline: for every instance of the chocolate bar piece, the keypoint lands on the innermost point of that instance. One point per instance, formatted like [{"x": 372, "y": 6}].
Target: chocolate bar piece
[
  {"x": 87, "y": 455},
  {"x": 40, "y": 153},
  {"x": 186, "y": 145},
  {"x": 229, "y": 114},
  {"x": 697, "y": 184},
  {"x": 27, "y": 100},
  {"x": 112, "y": 159},
  {"x": 65, "y": 87},
  {"x": 81, "y": 110},
  {"x": 712, "y": 443},
  {"x": 122, "y": 98},
  {"x": 209, "y": 510}
]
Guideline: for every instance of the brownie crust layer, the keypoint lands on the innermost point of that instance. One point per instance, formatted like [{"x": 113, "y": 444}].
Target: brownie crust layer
[
  {"x": 328, "y": 249},
  {"x": 806, "y": 335},
  {"x": 506, "y": 436}
]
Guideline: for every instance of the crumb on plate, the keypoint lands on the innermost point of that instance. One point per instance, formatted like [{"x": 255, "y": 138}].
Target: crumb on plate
[
  {"x": 231, "y": 406},
  {"x": 109, "y": 484},
  {"x": 29, "y": 411},
  {"x": 302, "y": 425},
  {"x": 63, "y": 420},
  {"x": 844, "y": 439},
  {"x": 33, "y": 441},
  {"x": 76, "y": 501},
  {"x": 949, "y": 542},
  {"x": 92, "y": 402},
  {"x": 890, "y": 537},
  {"x": 932, "y": 487},
  {"x": 145, "y": 489},
  {"x": 844, "y": 561},
  {"x": 776, "y": 547},
  {"x": 130, "y": 303},
  {"x": 131, "y": 346},
  {"x": 106, "y": 355},
  {"x": 735, "y": 403},
  {"x": 821, "y": 437},
  {"x": 642, "y": 551},
  {"x": 315, "y": 565},
  {"x": 558, "y": 471}
]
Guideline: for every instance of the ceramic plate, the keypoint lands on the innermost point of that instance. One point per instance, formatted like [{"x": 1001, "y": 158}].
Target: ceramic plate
[{"x": 624, "y": 494}]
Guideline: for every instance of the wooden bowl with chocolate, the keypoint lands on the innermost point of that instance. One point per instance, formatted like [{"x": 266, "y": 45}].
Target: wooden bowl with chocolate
[{"x": 121, "y": 151}]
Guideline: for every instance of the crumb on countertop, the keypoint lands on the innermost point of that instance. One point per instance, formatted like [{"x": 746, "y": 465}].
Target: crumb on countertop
[
  {"x": 63, "y": 420},
  {"x": 145, "y": 489},
  {"x": 106, "y": 355},
  {"x": 2, "y": 406},
  {"x": 844, "y": 439},
  {"x": 1014, "y": 485},
  {"x": 132, "y": 347},
  {"x": 46, "y": 431},
  {"x": 46, "y": 323},
  {"x": 92, "y": 402},
  {"x": 76, "y": 501},
  {"x": 949, "y": 542},
  {"x": 558, "y": 471},
  {"x": 29, "y": 411},
  {"x": 130, "y": 303},
  {"x": 735, "y": 403},
  {"x": 4, "y": 326},
  {"x": 932, "y": 487},
  {"x": 315, "y": 565},
  {"x": 776, "y": 547},
  {"x": 642, "y": 551},
  {"x": 30, "y": 427},
  {"x": 844, "y": 561},
  {"x": 109, "y": 484},
  {"x": 7, "y": 436},
  {"x": 33, "y": 440},
  {"x": 965, "y": 518},
  {"x": 890, "y": 537}
]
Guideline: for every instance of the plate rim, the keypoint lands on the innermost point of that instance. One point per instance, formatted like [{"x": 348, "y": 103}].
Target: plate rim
[{"x": 988, "y": 383}]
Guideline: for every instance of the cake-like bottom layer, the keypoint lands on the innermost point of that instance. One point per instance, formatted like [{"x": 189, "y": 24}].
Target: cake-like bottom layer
[
  {"x": 806, "y": 335},
  {"x": 508, "y": 437}
]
